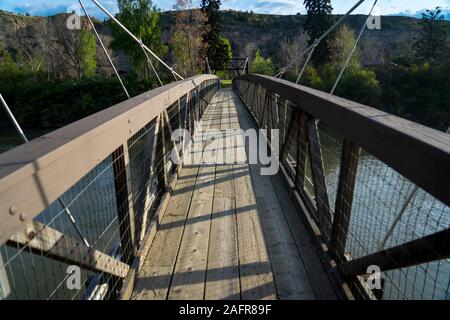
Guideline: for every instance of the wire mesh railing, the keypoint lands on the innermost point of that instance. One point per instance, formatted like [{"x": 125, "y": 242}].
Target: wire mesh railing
[
  {"x": 112, "y": 204},
  {"x": 369, "y": 212}
]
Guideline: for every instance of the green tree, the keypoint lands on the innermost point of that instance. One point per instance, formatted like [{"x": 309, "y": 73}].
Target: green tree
[
  {"x": 261, "y": 65},
  {"x": 7, "y": 64},
  {"x": 213, "y": 38},
  {"x": 432, "y": 44},
  {"x": 142, "y": 18},
  {"x": 318, "y": 21},
  {"x": 87, "y": 52},
  {"x": 340, "y": 45}
]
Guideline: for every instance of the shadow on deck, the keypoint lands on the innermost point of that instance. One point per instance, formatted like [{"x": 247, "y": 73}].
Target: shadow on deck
[{"x": 230, "y": 233}]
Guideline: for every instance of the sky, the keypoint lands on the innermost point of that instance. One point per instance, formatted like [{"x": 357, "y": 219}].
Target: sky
[{"x": 385, "y": 7}]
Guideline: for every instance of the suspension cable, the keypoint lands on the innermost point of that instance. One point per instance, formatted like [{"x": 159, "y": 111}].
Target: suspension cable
[
  {"x": 207, "y": 64},
  {"x": 323, "y": 36},
  {"x": 136, "y": 38},
  {"x": 104, "y": 49},
  {"x": 25, "y": 139},
  {"x": 316, "y": 43},
  {"x": 352, "y": 51},
  {"x": 150, "y": 62}
]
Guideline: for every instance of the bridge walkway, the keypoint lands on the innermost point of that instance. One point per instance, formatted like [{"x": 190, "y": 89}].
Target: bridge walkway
[{"x": 229, "y": 232}]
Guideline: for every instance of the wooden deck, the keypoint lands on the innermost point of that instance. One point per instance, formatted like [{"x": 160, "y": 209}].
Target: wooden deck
[{"x": 230, "y": 233}]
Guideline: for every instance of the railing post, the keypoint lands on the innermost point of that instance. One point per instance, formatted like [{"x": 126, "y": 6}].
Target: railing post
[
  {"x": 164, "y": 152},
  {"x": 302, "y": 149},
  {"x": 150, "y": 161},
  {"x": 124, "y": 202},
  {"x": 318, "y": 175},
  {"x": 344, "y": 199}
]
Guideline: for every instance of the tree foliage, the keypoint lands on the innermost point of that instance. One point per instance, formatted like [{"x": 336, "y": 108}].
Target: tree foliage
[
  {"x": 88, "y": 53},
  {"x": 318, "y": 21},
  {"x": 340, "y": 45},
  {"x": 187, "y": 38},
  {"x": 217, "y": 47},
  {"x": 432, "y": 44},
  {"x": 141, "y": 17},
  {"x": 261, "y": 65},
  {"x": 357, "y": 83}
]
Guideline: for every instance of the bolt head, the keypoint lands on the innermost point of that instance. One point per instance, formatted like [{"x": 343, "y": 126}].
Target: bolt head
[
  {"x": 23, "y": 216},
  {"x": 12, "y": 210}
]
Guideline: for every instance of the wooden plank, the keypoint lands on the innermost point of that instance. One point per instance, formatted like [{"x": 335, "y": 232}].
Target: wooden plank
[
  {"x": 302, "y": 149},
  {"x": 254, "y": 264},
  {"x": 318, "y": 175},
  {"x": 188, "y": 280},
  {"x": 307, "y": 248},
  {"x": 42, "y": 239},
  {"x": 222, "y": 276},
  {"x": 129, "y": 282},
  {"x": 154, "y": 279},
  {"x": 344, "y": 198},
  {"x": 405, "y": 146},
  {"x": 430, "y": 248},
  {"x": 149, "y": 189},
  {"x": 156, "y": 275},
  {"x": 315, "y": 271},
  {"x": 289, "y": 273}
]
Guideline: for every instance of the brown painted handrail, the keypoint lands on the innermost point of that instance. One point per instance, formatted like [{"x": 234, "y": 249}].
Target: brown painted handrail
[
  {"x": 419, "y": 153},
  {"x": 34, "y": 175}
]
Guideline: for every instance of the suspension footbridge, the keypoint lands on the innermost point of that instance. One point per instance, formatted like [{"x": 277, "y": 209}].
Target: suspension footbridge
[{"x": 357, "y": 208}]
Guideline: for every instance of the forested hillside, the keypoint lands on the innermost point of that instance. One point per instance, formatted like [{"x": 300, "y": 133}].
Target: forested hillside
[{"x": 50, "y": 81}]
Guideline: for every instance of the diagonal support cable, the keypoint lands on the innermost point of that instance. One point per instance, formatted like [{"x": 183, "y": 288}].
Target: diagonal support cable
[
  {"x": 316, "y": 43},
  {"x": 25, "y": 139},
  {"x": 150, "y": 62},
  {"x": 323, "y": 36},
  {"x": 135, "y": 38},
  {"x": 352, "y": 51},
  {"x": 104, "y": 49}
]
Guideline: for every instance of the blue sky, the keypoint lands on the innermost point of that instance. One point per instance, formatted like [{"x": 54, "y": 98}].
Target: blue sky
[{"x": 49, "y": 7}]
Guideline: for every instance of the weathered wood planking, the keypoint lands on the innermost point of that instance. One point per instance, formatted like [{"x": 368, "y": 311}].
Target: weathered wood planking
[
  {"x": 188, "y": 280},
  {"x": 290, "y": 276},
  {"x": 156, "y": 275},
  {"x": 238, "y": 238},
  {"x": 254, "y": 264},
  {"x": 222, "y": 278}
]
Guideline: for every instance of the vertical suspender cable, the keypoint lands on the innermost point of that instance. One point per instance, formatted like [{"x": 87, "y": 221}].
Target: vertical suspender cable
[
  {"x": 25, "y": 139},
  {"x": 150, "y": 62},
  {"x": 136, "y": 38},
  {"x": 316, "y": 43},
  {"x": 323, "y": 36},
  {"x": 352, "y": 51},
  {"x": 104, "y": 49}
]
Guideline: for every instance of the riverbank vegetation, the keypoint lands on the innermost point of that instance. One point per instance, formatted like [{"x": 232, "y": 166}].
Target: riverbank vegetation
[{"x": 66, "y": 77}]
